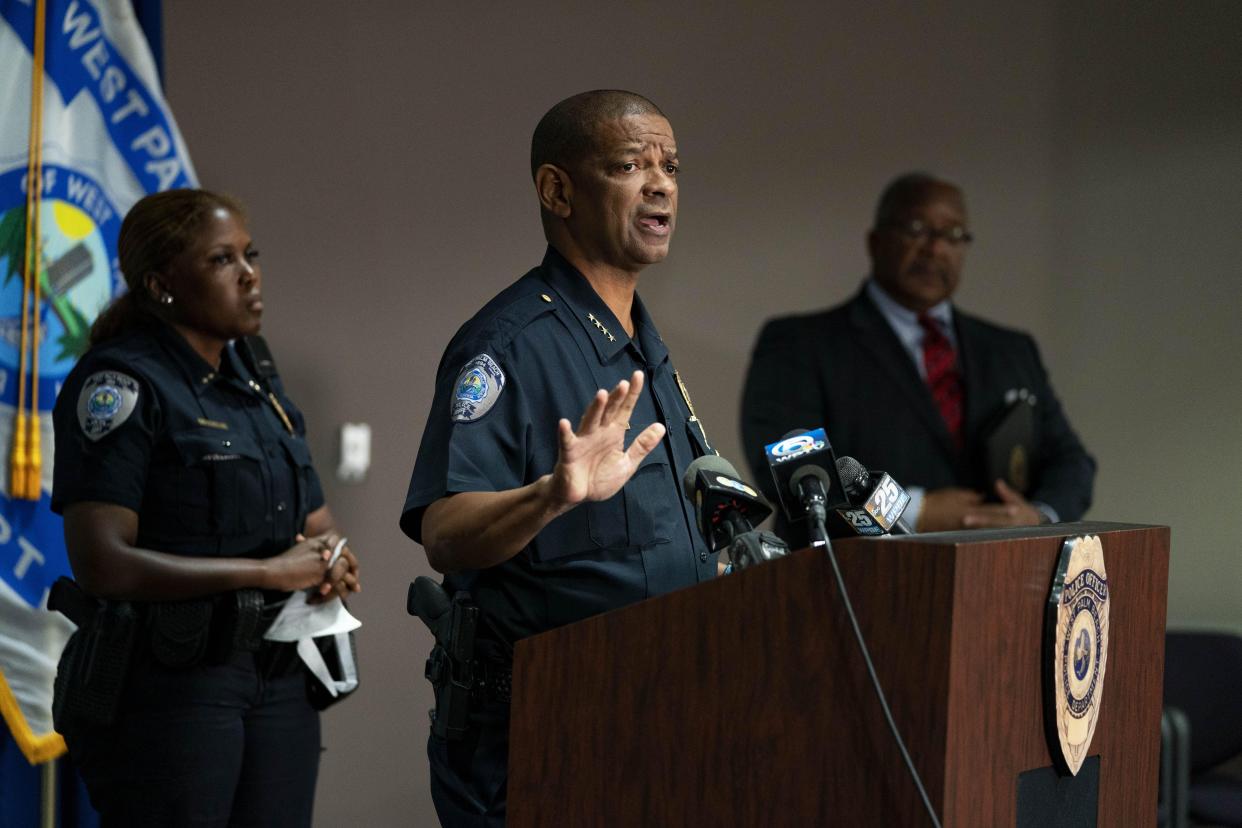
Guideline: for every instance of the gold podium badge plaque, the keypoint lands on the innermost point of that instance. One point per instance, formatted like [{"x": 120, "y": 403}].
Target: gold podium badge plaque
[{"x": 1076, "y": 647}]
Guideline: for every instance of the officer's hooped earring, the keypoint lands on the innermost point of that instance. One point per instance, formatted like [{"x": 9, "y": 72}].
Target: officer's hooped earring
[{"x": 166, "y": 299}]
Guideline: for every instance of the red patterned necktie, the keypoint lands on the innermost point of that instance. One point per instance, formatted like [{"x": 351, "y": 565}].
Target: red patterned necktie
[{"x": 940, "y": 363}]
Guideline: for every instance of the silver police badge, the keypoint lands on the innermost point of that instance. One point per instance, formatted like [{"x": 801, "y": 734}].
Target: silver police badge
[
  {"x": 1077, "y": 639},
  {"x": 106, "y": 400},
  {"x": 477, "y": 388}
]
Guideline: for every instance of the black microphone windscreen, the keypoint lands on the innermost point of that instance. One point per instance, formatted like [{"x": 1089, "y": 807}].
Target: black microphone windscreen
[
  {"x": 853, "y": 474},
  {"x": 707, "y": 463},
  {"x": 802, "y": 472}
]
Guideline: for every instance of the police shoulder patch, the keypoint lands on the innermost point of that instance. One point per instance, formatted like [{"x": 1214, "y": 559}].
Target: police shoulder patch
[
  {"x": 105, "y": 402},
  {"x": 477, "y": 388}
]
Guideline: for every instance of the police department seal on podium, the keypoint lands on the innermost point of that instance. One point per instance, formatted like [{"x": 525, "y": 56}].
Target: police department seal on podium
[{"x": 1076, "y": 650}]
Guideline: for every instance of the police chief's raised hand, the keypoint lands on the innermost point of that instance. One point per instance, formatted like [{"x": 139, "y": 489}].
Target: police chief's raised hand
[{"x": 594, "y": 462}]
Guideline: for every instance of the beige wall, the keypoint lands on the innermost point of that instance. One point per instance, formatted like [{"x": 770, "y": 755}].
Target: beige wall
[
  {"x": 1146, "y": 283},
  {"x": 382, "y": 148}
]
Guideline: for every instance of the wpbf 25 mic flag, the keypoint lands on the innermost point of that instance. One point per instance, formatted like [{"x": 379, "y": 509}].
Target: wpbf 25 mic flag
[{"x": 85, "y": 134}]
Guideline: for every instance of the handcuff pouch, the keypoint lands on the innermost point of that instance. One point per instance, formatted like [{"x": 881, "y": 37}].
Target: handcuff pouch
[{"x": 240, "y": 623}]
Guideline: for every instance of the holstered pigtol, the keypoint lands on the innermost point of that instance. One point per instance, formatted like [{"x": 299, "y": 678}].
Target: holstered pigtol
[
  {"x": 94, "y": 666},
  {"x": 451, "y": 667}
]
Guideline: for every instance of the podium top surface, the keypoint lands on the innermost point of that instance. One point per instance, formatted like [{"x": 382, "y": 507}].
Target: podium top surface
[{"x": 972, "y": 536}]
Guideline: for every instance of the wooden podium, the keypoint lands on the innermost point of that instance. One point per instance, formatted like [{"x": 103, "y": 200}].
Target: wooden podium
[{"x": 745, "y": 701}]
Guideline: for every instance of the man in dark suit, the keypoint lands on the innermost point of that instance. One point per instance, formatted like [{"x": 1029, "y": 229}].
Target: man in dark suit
[{"x": 905, "y": 382}]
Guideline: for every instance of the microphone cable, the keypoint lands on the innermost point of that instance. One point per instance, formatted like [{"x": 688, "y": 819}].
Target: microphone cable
[{"x": 875, "y": 680}]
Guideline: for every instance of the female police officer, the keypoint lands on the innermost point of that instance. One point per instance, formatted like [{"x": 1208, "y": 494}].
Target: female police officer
[{"x": 186, "y": 486}]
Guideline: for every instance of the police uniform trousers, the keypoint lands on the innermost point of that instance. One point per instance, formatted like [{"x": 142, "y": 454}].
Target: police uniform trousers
[
  {"x": 228, "y": 744},
  {"x": 469, "y": 776}
]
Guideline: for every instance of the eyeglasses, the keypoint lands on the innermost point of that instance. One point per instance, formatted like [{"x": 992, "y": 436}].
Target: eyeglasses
[{"x": 917, "y": 231}]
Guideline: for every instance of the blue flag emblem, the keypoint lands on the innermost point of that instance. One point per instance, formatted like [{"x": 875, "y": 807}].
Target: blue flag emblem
[{"x": 105, "y": 138}]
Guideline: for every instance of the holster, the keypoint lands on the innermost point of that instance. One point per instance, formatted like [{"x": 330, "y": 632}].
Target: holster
[
  {"x": 94, "y": 666},
  {"x": 451, "y": 666}
]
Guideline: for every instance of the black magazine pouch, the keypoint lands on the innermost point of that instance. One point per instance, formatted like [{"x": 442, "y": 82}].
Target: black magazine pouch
[{"x": 180, "y": 632}]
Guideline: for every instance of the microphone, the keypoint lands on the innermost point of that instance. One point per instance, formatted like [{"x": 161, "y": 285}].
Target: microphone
[
  {"x": 810, "y": 484},
  {"x": 878, "y": 498},
  {"x": 727, "y": 507},
  {"x": 727, "y": 511},
  {"x": 805, "y": 472}
]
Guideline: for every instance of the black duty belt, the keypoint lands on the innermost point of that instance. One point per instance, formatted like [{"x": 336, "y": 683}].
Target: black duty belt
[{"x": 493, "y": 681}]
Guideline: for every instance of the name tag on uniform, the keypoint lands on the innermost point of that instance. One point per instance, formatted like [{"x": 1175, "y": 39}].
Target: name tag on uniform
[{"x": 203, "y": 421}]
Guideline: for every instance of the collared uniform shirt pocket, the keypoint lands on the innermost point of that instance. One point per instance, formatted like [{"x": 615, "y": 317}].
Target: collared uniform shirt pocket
[
  {"x": 650, "y": 503},
  {"x": 583, "y": 530},
  {"x": 221, "y": 483},
  {"x": 636, "y": 517}
]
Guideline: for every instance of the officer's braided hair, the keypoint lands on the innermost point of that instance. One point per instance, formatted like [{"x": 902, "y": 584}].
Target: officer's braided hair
[
  {"x": 157, "y": 229},
  {"x": 566, "y": 134}
]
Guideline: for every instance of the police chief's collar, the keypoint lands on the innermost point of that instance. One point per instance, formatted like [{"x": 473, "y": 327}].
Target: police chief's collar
[
  {"x": 602, "y": 327},
  {"x": 198, "y": 372}
]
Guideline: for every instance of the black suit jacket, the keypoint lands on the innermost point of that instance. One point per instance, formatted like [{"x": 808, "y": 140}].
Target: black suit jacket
[{"x": 845, "y": 369}]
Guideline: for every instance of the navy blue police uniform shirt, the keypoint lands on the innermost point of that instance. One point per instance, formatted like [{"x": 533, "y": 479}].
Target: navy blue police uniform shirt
[
  {"x": 534, "y": 354},
  {"x": 202, "y": 455}
]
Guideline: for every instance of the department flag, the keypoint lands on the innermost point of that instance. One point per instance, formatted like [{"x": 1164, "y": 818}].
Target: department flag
[{"x": 102, "y": 137}]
